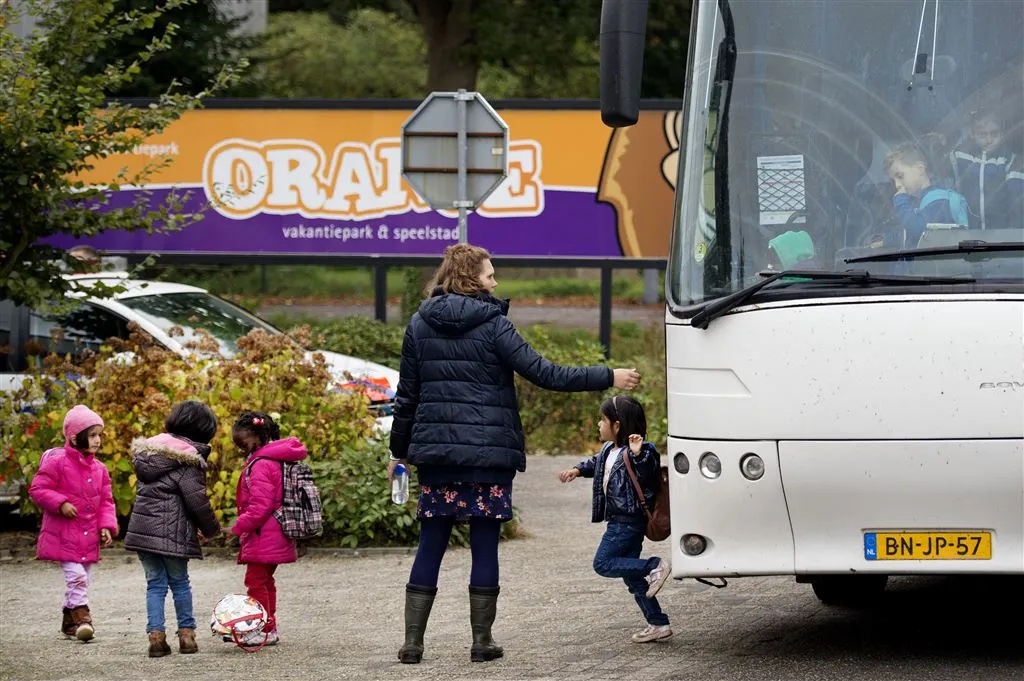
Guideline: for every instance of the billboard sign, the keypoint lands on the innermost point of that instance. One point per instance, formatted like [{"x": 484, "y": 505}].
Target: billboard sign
[{"x": 329, "y": 182}]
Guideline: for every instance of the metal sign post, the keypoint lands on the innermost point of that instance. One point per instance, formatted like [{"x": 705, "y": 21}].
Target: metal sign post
[
  {"x": 460, "y": 175},
  {"x": 461, "y": 200}
]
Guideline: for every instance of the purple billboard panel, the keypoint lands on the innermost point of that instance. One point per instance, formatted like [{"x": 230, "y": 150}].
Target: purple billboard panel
[{"x": 328, "y": 182}]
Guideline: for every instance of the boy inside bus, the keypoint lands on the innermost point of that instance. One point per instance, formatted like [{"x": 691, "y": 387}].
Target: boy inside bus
[
  {"x": 988, "y": 175},
  {"x": 918, "y": 202}
]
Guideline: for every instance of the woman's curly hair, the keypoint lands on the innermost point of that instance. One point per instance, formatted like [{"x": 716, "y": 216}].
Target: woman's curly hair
[{"x": 459, "y": 270}]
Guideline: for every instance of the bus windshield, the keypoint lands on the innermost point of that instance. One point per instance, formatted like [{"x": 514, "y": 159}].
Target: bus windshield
[{"x": 819, "y": 131}]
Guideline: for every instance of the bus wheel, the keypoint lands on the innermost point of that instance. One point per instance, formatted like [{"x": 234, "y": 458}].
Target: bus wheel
[{"x": 848, "y": 590}]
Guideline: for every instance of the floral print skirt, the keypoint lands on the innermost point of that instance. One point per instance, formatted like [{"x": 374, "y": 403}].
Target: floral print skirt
[{"x": 464, "y": 500}]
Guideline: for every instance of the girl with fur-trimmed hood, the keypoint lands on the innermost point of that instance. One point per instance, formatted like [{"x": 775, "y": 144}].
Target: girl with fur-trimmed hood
[{"x": 170, "y": 505}]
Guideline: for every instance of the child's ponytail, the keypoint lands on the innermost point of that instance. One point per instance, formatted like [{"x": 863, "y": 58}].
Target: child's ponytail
[{"x": 259, "y": 424}]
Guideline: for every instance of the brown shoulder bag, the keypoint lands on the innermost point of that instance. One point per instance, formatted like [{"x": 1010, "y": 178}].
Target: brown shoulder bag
[{"x": 658, "y": 520}]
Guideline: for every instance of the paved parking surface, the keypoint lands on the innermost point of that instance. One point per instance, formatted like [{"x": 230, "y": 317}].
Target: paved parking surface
[{"x": 341, "y": 618}]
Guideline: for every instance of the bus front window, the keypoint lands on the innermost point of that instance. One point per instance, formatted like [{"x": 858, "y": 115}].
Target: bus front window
[{"x": 824, "y": 130}]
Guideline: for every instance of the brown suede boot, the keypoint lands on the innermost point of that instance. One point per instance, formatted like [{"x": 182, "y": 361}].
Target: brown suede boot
[
  {"x": 158, "y": 644},
  {"x": 187, "y": 641},
  {"x": 83, "y": 622},
  {"x": 68, "y": 626}
]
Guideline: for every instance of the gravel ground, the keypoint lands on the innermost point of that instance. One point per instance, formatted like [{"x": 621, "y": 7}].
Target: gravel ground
[{"x": 341, "y": 618}]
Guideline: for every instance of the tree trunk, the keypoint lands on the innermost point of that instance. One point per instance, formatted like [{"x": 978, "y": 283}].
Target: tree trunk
[
  {"x": 448, "y": 32},
  {"x": 451, "y": 64}
]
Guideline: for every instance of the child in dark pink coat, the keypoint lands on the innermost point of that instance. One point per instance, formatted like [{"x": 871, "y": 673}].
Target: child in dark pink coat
[
  {"x": 260, "y": 492},
  {"x": 73, "y": 490}
]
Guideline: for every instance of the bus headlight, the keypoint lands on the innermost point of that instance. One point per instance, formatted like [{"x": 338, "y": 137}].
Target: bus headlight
[
  {"x": 693, "y": 544},
  {"x": 752, "y": 466},
  {"x": 710, "y": 465},
  {"x": 681, "y": 463}
]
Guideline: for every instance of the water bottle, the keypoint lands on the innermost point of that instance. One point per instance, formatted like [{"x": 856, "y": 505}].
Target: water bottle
[{"x": 400, "y": 485}]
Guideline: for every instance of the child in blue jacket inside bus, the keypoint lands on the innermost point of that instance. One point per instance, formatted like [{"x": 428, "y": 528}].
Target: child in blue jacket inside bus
[
  {"x": 988, "y": 173},
  {"x": 918, "y": 201}
]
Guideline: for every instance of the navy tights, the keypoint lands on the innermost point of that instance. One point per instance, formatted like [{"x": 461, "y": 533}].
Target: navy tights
[{"x": 434, "y": 536}]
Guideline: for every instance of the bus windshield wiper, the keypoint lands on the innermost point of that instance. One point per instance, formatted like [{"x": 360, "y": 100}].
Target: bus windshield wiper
[
  {"x": 719, "y": 307},
  {"x": 969, "y": 246}
]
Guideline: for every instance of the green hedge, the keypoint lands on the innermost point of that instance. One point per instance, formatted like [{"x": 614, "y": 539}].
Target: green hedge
[
  {"x": 555, "y": 423},
  {"x": 358, "y": 513},
  {"x": 268, "y": 374}
]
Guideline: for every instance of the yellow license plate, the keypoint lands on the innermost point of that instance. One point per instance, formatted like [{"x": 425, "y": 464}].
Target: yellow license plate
[{"x": 928, "y": 545}]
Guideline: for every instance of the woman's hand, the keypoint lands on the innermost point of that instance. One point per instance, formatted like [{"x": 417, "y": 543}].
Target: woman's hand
[
  {"x": 569, "y": 475},
  {"x": 626, "y": 379},
  {"x": 391, "y": 467},
  {"x": 68, "y": 510},
  {"x": 635, "y": 443},
  {"x": 108, "y": 540}
]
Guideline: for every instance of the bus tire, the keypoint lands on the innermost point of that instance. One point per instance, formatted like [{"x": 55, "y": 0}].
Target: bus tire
[{"x": 848, "y": 590}]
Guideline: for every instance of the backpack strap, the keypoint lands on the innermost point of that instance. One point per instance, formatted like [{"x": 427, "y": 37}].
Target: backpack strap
[
  {"x": 54, "y": 453},
  {"x": 636, "y": 483},
  {"x": 248, "y": 468},
  {"x": 957, "y": 203}
]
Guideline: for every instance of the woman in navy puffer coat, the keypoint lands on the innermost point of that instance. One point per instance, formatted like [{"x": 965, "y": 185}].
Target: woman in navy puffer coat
[{"x": 456, "y": 420}]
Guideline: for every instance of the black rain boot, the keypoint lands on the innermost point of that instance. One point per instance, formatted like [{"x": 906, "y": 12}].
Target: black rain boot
[
  {"x": 418, "y": 602},
  {"x": 483, "y": 608}
]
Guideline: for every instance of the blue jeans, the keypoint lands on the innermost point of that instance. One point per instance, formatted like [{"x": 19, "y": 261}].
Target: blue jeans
[
  {"x": 618, "y": 555},
  {"x": 163, "y": 572}
]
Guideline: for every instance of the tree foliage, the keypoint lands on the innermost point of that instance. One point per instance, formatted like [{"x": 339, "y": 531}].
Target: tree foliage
[
  {"x": 668, "y": 35},
  {"x": 208, "y": 39},
  {"x": 519, "y": 48},
  {"x": 56, "y": 123},
  {"x": 374, "y": 54}
]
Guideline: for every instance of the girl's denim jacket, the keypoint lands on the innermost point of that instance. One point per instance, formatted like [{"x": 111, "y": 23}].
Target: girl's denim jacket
[{"x": 620, "y": 503}]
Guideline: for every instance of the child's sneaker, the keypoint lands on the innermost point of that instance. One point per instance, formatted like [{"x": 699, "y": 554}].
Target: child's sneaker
[
  {"x": 272, "y": 638},
  {"x": 652, "y": 633},
  {"x": 656, "y": 578}
]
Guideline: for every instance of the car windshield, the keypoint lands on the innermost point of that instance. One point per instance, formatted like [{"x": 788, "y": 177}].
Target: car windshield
[
  {"x": 194, "y": 311},
  {"x": 818, "y": 131}
]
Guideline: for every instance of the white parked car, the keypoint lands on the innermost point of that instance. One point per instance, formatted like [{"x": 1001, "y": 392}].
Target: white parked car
[{"x": 156, "y": 307}]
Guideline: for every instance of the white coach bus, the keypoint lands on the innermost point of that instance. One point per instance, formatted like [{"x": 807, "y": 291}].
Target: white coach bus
[{"x": 845, "y": 318}]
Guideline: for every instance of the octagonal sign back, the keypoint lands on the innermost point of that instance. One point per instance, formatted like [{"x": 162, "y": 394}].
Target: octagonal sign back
[{"x": 430, "y": 149}]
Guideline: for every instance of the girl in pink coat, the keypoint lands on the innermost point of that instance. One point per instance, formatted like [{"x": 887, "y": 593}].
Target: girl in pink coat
[
  {"x": 260, "y": 492},
  {"x": 73, "y": 490}
]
